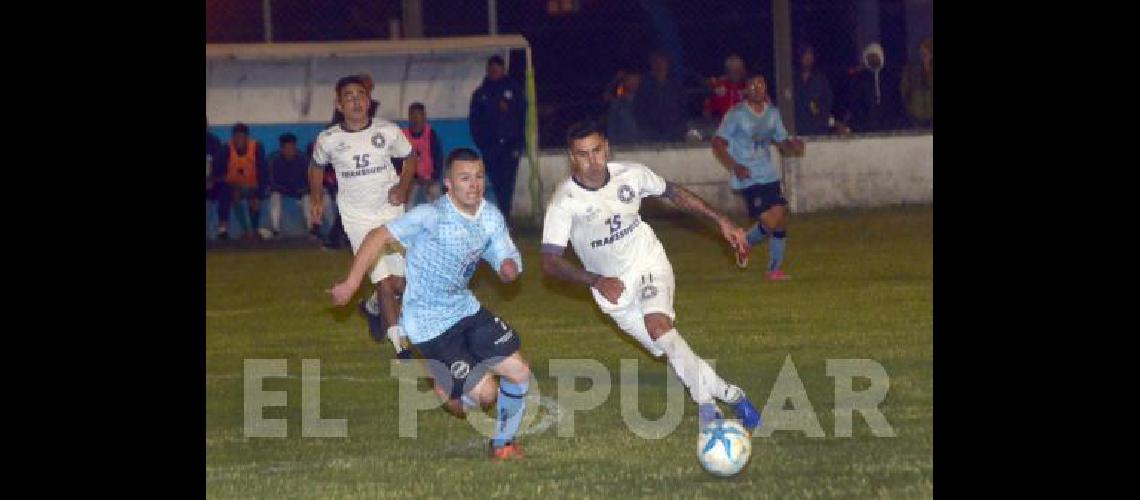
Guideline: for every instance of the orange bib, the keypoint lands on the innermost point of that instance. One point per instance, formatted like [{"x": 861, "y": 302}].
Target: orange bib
[{"x": 241, "y": 170}]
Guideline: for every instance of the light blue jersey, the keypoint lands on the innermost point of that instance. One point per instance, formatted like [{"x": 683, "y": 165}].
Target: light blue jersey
[
  {"x": 749, "y": 136},
  {"x": 444, "y": 246}
]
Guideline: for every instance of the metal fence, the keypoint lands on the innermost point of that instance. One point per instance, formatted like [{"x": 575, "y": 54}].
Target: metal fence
[{"x": 583, "y": 50}]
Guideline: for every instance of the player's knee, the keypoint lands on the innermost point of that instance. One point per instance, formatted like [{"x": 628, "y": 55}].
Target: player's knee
[
  {"x": 521, "y": 374},
  {"x": 657, "y": 325},
  {"x": 388, "y": 286}
]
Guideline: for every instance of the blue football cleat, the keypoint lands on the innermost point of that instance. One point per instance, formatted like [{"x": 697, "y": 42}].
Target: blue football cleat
[
  {"x": 747, "y": 414},
  {"x": 706, "y": 413}
]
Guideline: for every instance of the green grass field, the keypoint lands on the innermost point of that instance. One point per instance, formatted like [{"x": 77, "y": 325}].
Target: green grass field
[{"x": 862, "y": 288}]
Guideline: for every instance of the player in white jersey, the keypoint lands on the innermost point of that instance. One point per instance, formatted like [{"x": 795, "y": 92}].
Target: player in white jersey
[
  {"x": 597, "y": 210},
  {"x": 361, "y": 150}
]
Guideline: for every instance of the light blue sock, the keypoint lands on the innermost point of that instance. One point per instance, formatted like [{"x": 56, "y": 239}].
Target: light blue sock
[
  {"x": 776, "y": 249},
  {"x": 756, "y": 235},
  {"x": 511, "y": 407}
]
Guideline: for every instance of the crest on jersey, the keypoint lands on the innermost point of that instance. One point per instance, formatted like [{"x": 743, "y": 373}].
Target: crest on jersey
[
  {"x": 625, "y": 193},
  {"x": 648, "y": 292},
  {"x": 378, "y": 140},
  {"x": 460, "y": 369}
]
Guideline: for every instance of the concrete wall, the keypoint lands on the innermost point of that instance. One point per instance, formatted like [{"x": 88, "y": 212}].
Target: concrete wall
[{"x": 863, "y": 171}]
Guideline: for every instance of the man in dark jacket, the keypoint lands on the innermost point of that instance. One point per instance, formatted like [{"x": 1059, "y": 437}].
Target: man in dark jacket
[
  {"x": 876, "y": 101},
  {"x": 660, "y": 103},
  {"x": 498, "y": 123},
  {"x": 813, "y": 97}
]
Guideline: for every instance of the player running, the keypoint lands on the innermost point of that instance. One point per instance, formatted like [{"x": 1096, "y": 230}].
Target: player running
[
  {"x": 741, "y": 146},
  {"x": 459, "y": 339},
  {"x": 371, "y": 193},
  {"x": 597, "y": 209}
]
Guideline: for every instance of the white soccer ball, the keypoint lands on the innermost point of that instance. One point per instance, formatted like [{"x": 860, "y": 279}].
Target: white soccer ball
[{"x": 724, "y": 447}]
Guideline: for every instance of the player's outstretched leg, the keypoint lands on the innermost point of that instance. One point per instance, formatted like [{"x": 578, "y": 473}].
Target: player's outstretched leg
[
  {"x": 705, "y": 386},
  {"x": 774, "y": 219},
  {"x": 514, "y": 382}
]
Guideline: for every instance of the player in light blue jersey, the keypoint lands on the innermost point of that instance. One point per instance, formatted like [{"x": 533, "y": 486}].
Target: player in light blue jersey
[
  {"x": 462, "y": 343},
  {"x": 741, "y": 145}
]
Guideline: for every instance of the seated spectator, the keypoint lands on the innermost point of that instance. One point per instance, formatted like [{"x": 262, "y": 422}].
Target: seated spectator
[
  {"x": 287, "y": 171},
  {"x": 244, "y": 167},
  {"x": 918, "y": 87},
  {"x": 812, "y": 96},
  {"x": 621, "y": 120},
  {"x": 875, "y": 103},
  {"x": 425, "y": 142},
  {"x": 727, "y": 90},
  {"x": 659, "y": 105}
]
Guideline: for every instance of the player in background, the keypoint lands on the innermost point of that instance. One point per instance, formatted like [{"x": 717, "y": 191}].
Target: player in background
[
  {"x": 597, "y": 210},
  {"x": 741, "y": 146},
  {"x": 445, "y": 240},
  {"x": 370, "y": 193}
]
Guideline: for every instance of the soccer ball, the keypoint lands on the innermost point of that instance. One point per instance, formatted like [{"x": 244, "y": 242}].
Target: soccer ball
[{"x": 724, "y": 447}]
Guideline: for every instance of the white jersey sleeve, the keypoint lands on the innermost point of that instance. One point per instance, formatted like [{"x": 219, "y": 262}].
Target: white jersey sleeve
[
  {"x": 320, "y": 155},
  {"x": 556, "y": 227},
  {"x": 650, "y": 184},
  {"x": 398, "y": 145}
]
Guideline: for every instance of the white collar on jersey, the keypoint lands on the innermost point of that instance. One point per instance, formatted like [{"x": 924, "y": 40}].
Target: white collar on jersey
[{"x": 473, "y": 217}]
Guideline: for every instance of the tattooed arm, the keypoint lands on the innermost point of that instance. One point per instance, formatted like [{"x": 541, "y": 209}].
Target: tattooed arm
[
  {"x": 554, "y": 264},
  {"x": 688, "y": 201}
]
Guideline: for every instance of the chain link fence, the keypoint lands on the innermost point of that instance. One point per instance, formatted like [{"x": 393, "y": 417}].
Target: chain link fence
[{"x": 586, "y": 53}]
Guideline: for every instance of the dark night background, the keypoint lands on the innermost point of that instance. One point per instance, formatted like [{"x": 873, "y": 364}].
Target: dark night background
[{"x": 577, "y": 54}]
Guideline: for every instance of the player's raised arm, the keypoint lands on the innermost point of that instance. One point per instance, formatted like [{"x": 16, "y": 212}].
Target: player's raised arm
[
  {"x": 688, "y": 201},
  {"x": 369, "y": 251}
]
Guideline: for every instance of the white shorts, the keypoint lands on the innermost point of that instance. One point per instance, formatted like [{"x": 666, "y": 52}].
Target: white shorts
[
  {"x": 390, "y": 263},
  {"x": 647, "y": 290}
]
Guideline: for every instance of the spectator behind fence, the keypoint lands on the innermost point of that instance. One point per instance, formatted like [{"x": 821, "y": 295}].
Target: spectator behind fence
[
  {"x": 875, "y": 101},
  {"x": 812, "y": 96},
  {"x": 288, "y": 178},
  {"x": 498, "y": 122},
  {"x": 918, "y": 87},
  {"x": 425, "y": 142},
  {"x": 621, "y": 119},
  {"x": 659, "y": 105},
  {"x": 214, "y": 167},
  {"x": 727, "y": 90},
  {"x": 244, "y": 168}
]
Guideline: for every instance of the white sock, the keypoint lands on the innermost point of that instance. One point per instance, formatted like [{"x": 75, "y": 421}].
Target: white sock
[
  {"x": 394, "y": 334},
  {"x": 703, "y": 383}
]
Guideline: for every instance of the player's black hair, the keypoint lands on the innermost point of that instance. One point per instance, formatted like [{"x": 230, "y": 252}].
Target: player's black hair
[
  {"x": 584, "y": 129},
  {"x": 287, "y": 138},
  {"x": 458, "y": 154},
  {"x": 241, "y": 128},
  {"x": 496, "y": 59},
  {"x": 416, "y": 105},
  {"x": 349, "y": 80}
]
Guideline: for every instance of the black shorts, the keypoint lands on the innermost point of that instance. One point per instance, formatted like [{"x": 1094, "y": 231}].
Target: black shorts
[
  {"x": 758, "y": 198},
  {"x": 464, "y": 347}
]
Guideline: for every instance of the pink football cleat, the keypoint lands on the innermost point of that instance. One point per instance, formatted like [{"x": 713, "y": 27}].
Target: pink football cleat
[{"x": 777, "y": 275}]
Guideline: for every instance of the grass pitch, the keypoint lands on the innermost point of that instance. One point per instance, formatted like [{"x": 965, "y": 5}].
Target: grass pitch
[{"x": 862, "y": 288}]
